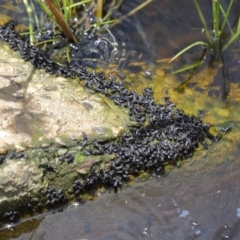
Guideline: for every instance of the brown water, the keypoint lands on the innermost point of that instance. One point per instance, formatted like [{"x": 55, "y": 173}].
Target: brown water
[{"x": 199, "y": 200}]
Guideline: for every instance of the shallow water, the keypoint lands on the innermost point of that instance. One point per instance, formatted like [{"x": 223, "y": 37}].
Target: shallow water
[
  {"x": 199, "y": 200},
  {"x": 202, "y": 206}
]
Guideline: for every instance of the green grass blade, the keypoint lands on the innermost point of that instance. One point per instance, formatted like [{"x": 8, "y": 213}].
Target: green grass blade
[
  {"x": 133, "y": 11},
  {"x": 61, "y": 21},
  {"x": 44, "y": 42},
  {"x": 56, "y": 3},
  {"x": 215, "y": 8},
  {"x": 203, "y": 21},
  {"x": 70, "y": 11},
  {"x": 188, "y": 67},
  {"x": 226, "y": 15},
  {"x": 68, "y": 54},
  {"x": 110, "y": 11},
  {"x": 233, "y": 38},
  {"x": 99, "y": 11},
  {"x": 238, "y": 28},
  {"x": 47, "y": 11},
  {"x": 79, "y": 3},
  {"x": 189, "y": 47},
  {"x": 30, "y": 11},
  {"x": 66, "y": 11},
  {"x": 139, "y": 7},
  {"x": 35, "y": 15},
  {"x": 227, "y": 22}
]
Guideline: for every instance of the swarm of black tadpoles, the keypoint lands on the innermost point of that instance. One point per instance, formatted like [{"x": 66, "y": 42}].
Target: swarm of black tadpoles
[
  {"x": 171, "y": 135},
  {"x": 10, "y": 155},
  {"x": 165, "y": 133},
  {"x": 68, "y": 157},
  {"x": 55, "y": 196},
  {"x": 11, "y": 216}
]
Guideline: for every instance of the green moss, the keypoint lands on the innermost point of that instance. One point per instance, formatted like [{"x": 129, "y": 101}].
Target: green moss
[{"x": 80, "y": 158}]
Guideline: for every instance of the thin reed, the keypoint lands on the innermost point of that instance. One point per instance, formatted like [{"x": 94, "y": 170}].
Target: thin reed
[{"x": 216, "y": 40}]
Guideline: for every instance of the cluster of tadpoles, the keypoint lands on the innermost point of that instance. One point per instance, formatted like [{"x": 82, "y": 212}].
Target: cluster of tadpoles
[
  {"x": 170, "y": 136},
  {"x": 55, "y": 196},
  {"x": 164, "y": 134},
  {"x": 11, "y": 155}
]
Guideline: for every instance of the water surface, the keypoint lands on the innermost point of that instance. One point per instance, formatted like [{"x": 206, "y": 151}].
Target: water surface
[{"x": 199, "y": 200}]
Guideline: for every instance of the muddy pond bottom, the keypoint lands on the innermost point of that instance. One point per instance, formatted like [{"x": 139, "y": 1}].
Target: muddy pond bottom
[{"x": 190, "y": 202}]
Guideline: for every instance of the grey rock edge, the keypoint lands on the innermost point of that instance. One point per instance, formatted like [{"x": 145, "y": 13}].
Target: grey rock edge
[{"x": 44, "y": 116}]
